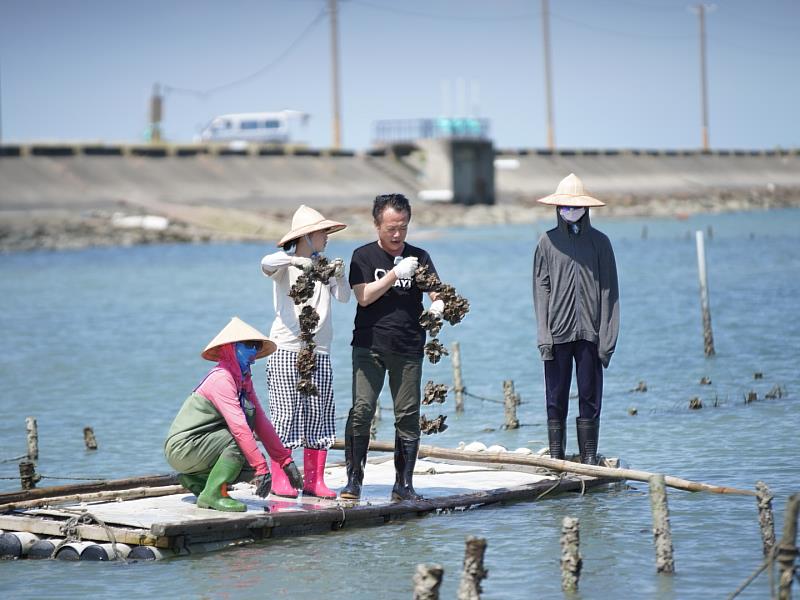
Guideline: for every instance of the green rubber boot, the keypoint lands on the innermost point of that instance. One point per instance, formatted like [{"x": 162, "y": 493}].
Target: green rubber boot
[
  {"x": 194, "y": 482},
  {"x": 215, "y": 495}
]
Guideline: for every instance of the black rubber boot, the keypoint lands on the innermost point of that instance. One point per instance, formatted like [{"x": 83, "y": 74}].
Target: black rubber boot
[
  {"x": 355, "y": 456},
  {"x": 405, "y": 458},
  {"x": 588, "y": 432},
  {"x": 557, "y": 436}
]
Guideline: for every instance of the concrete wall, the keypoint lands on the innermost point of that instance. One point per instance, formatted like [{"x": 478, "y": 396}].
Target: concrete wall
[
  {"x": 77, "y": 181},
  {"x": 644, "y": 172}
]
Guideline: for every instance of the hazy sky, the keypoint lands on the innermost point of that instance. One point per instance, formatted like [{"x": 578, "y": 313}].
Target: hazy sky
[{"x": 626, "y": 73}]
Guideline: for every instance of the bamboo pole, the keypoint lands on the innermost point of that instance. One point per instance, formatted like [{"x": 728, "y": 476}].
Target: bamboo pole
[
  {"x": 427, "y": 580},
  {"x": 765, "y": 519},
  {"x": 85, "y": 488},
  {"x": 662, "y": 534},
  {"x": 474, "y": 573},
  {"x": 571, "y": 561},
  {"x": 708, "y": 335},
  {"x": 140, "y": 492},
  {"x": 787, "y": 550},
  {"x": 33, "y": 438},
  {"x": 458, "y": 382},
  {"x": 509, "y": 458}
]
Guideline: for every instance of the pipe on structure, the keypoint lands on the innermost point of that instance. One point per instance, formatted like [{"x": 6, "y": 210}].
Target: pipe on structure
[
  {"x": 106, "y": 552},
  {"x": 73, "y": 550},
  {"x": 146, "y": 553},
  {"x": 16, "y": 544},
  {"x": 43, "y": 549}
]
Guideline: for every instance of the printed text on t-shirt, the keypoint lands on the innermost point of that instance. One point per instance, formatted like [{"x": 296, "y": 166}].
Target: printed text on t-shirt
[{"x": 401, "y": 283}]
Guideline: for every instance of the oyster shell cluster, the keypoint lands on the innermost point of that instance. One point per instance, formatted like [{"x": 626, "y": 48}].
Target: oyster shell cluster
[
  {"x": 455, "y": 309},
  {"x": 321, "y": 270}
]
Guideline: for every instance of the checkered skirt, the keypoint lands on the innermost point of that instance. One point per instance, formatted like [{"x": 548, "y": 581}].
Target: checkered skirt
[{"x": 300, "y": 420}]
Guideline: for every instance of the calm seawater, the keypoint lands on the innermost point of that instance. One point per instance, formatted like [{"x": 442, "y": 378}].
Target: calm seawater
[{"x": 110, "y": 338}]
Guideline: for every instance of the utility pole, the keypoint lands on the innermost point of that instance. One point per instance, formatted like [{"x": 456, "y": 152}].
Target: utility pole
[
  {"x": 337, "y": 121},
  {"x": 701, "y": 13},
  {"x": 1, "y": 104},
  {"x": 156, "y": 104},
  {"x": 551, "y": 142}
]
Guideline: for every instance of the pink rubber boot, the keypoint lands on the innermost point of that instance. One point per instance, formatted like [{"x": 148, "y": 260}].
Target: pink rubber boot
[
  {"x": 280, "y": 482},
  {"x": 314, "y": 474}
]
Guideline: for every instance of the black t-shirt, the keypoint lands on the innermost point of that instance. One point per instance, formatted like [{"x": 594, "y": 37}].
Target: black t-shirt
[{"x": 391, "y": 323}]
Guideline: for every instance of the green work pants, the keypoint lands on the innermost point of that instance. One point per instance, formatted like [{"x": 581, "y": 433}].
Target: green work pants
[
  {"x": 197, "y": 453},
  {"x": 405, "y": 378}
]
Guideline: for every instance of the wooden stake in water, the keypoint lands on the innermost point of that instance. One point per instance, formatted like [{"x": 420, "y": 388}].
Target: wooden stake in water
[
  {"x": 662, "y": 534},
  {"x": 765, "y": 519},
  {"x": 427, "y": 580},
  {"x": 89, "y": 439},
  {"x": 458, "y": 383},
  {"x": 787, "y": 550},
  {"x": 510, "y": 401},
  {"x": 27, "y": 474},
  {"x": 571, "y": 561},
  {"x": 474, "y": 573},
  {"x": 33, "y": 438},
  {"x": 708, "y": 336}
]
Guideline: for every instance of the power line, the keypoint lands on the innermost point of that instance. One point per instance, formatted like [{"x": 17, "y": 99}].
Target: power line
[
  {"x": 414, "y": 13},
  {"x": 620, "y": 33},
  {"x": 237, "y": 82}
]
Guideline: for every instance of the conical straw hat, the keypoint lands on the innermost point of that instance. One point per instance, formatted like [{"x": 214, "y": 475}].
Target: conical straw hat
[
  {"x": 238, "y": 331},
  {"x": 570, "y": 192},
  {"x": 307, "y": 220}
]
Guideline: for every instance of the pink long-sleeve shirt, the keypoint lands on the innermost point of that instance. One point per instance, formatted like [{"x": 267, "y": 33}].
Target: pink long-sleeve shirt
[{"x": 221, "y": 388}]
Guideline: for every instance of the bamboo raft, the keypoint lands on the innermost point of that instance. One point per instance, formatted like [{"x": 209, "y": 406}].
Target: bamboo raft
[{"x": 154, "y": 517}]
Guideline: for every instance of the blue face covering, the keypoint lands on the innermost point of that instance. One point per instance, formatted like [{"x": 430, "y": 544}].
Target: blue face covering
[{"x": 245, "y": 356}]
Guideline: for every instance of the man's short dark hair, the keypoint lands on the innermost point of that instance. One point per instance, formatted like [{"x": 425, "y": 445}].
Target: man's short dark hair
[{"x": 396, "y": 201}]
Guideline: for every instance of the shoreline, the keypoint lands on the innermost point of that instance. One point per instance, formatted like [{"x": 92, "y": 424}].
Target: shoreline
[{"x": 56, "y": 229}]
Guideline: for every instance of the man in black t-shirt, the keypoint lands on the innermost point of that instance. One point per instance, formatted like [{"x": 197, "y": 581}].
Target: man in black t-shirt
[{"x": 387, "y": 337}]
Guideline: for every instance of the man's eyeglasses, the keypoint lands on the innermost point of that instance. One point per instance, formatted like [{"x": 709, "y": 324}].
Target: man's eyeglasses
[{"x": 252, "y": 344}]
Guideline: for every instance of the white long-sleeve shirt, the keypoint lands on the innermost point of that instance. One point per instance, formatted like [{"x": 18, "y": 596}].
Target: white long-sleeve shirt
[{"x": 285, "y": 330}]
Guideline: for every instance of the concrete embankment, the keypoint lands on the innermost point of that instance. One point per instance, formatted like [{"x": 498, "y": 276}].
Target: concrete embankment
[{"x": 55, "y": 198}]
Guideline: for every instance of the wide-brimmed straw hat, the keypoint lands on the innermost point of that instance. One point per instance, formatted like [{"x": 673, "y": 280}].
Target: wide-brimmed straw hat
[
  {"x": 238, "y": 331},
  {"x": 307, "y": 220},
  {"x": 570, "y": 192}
]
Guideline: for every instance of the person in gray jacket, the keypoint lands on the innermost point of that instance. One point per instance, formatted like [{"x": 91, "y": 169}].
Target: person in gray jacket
[{"x": 576, "y": 300}]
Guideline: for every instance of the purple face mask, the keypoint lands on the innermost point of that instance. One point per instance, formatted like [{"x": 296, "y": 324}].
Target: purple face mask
[{"x": 571, "y": 214}]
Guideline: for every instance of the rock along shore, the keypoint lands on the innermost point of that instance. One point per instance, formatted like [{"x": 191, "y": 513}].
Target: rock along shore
[{"x": 58, "y": 229}]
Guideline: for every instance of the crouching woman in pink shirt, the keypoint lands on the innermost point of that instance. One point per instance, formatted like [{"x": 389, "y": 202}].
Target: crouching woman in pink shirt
[{"x": 212, "y": 441}]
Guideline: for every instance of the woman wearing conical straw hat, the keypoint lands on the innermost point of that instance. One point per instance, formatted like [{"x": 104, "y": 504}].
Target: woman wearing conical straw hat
[
  {"x": 576, "y": 299},
  {"x": 211, "y": 442},
  {"x": 303, "y": 420}
]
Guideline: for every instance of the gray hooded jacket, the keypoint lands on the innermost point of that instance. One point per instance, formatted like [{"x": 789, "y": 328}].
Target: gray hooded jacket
[{"x": 575, "y": 289}]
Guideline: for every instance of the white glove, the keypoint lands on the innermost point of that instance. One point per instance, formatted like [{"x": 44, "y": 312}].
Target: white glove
[
  {"x": 302, "y": 262},
  {"x": 338, "y": 270},
  {"x": 437, "y": 308},
  {"x": 406, "y": 268}
]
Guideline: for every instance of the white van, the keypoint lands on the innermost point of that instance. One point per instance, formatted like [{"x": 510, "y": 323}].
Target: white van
[{"x": 282, "y": 127}]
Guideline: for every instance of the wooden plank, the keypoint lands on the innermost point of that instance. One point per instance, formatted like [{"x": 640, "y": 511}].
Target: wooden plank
[
  {"x": 339, "y": 516},
  {"x": 138, "y": 537},
  {"x": 567, "y": 466},
  {"x": 84, "y": 488},
  {"x": 140, "y": 492}
]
